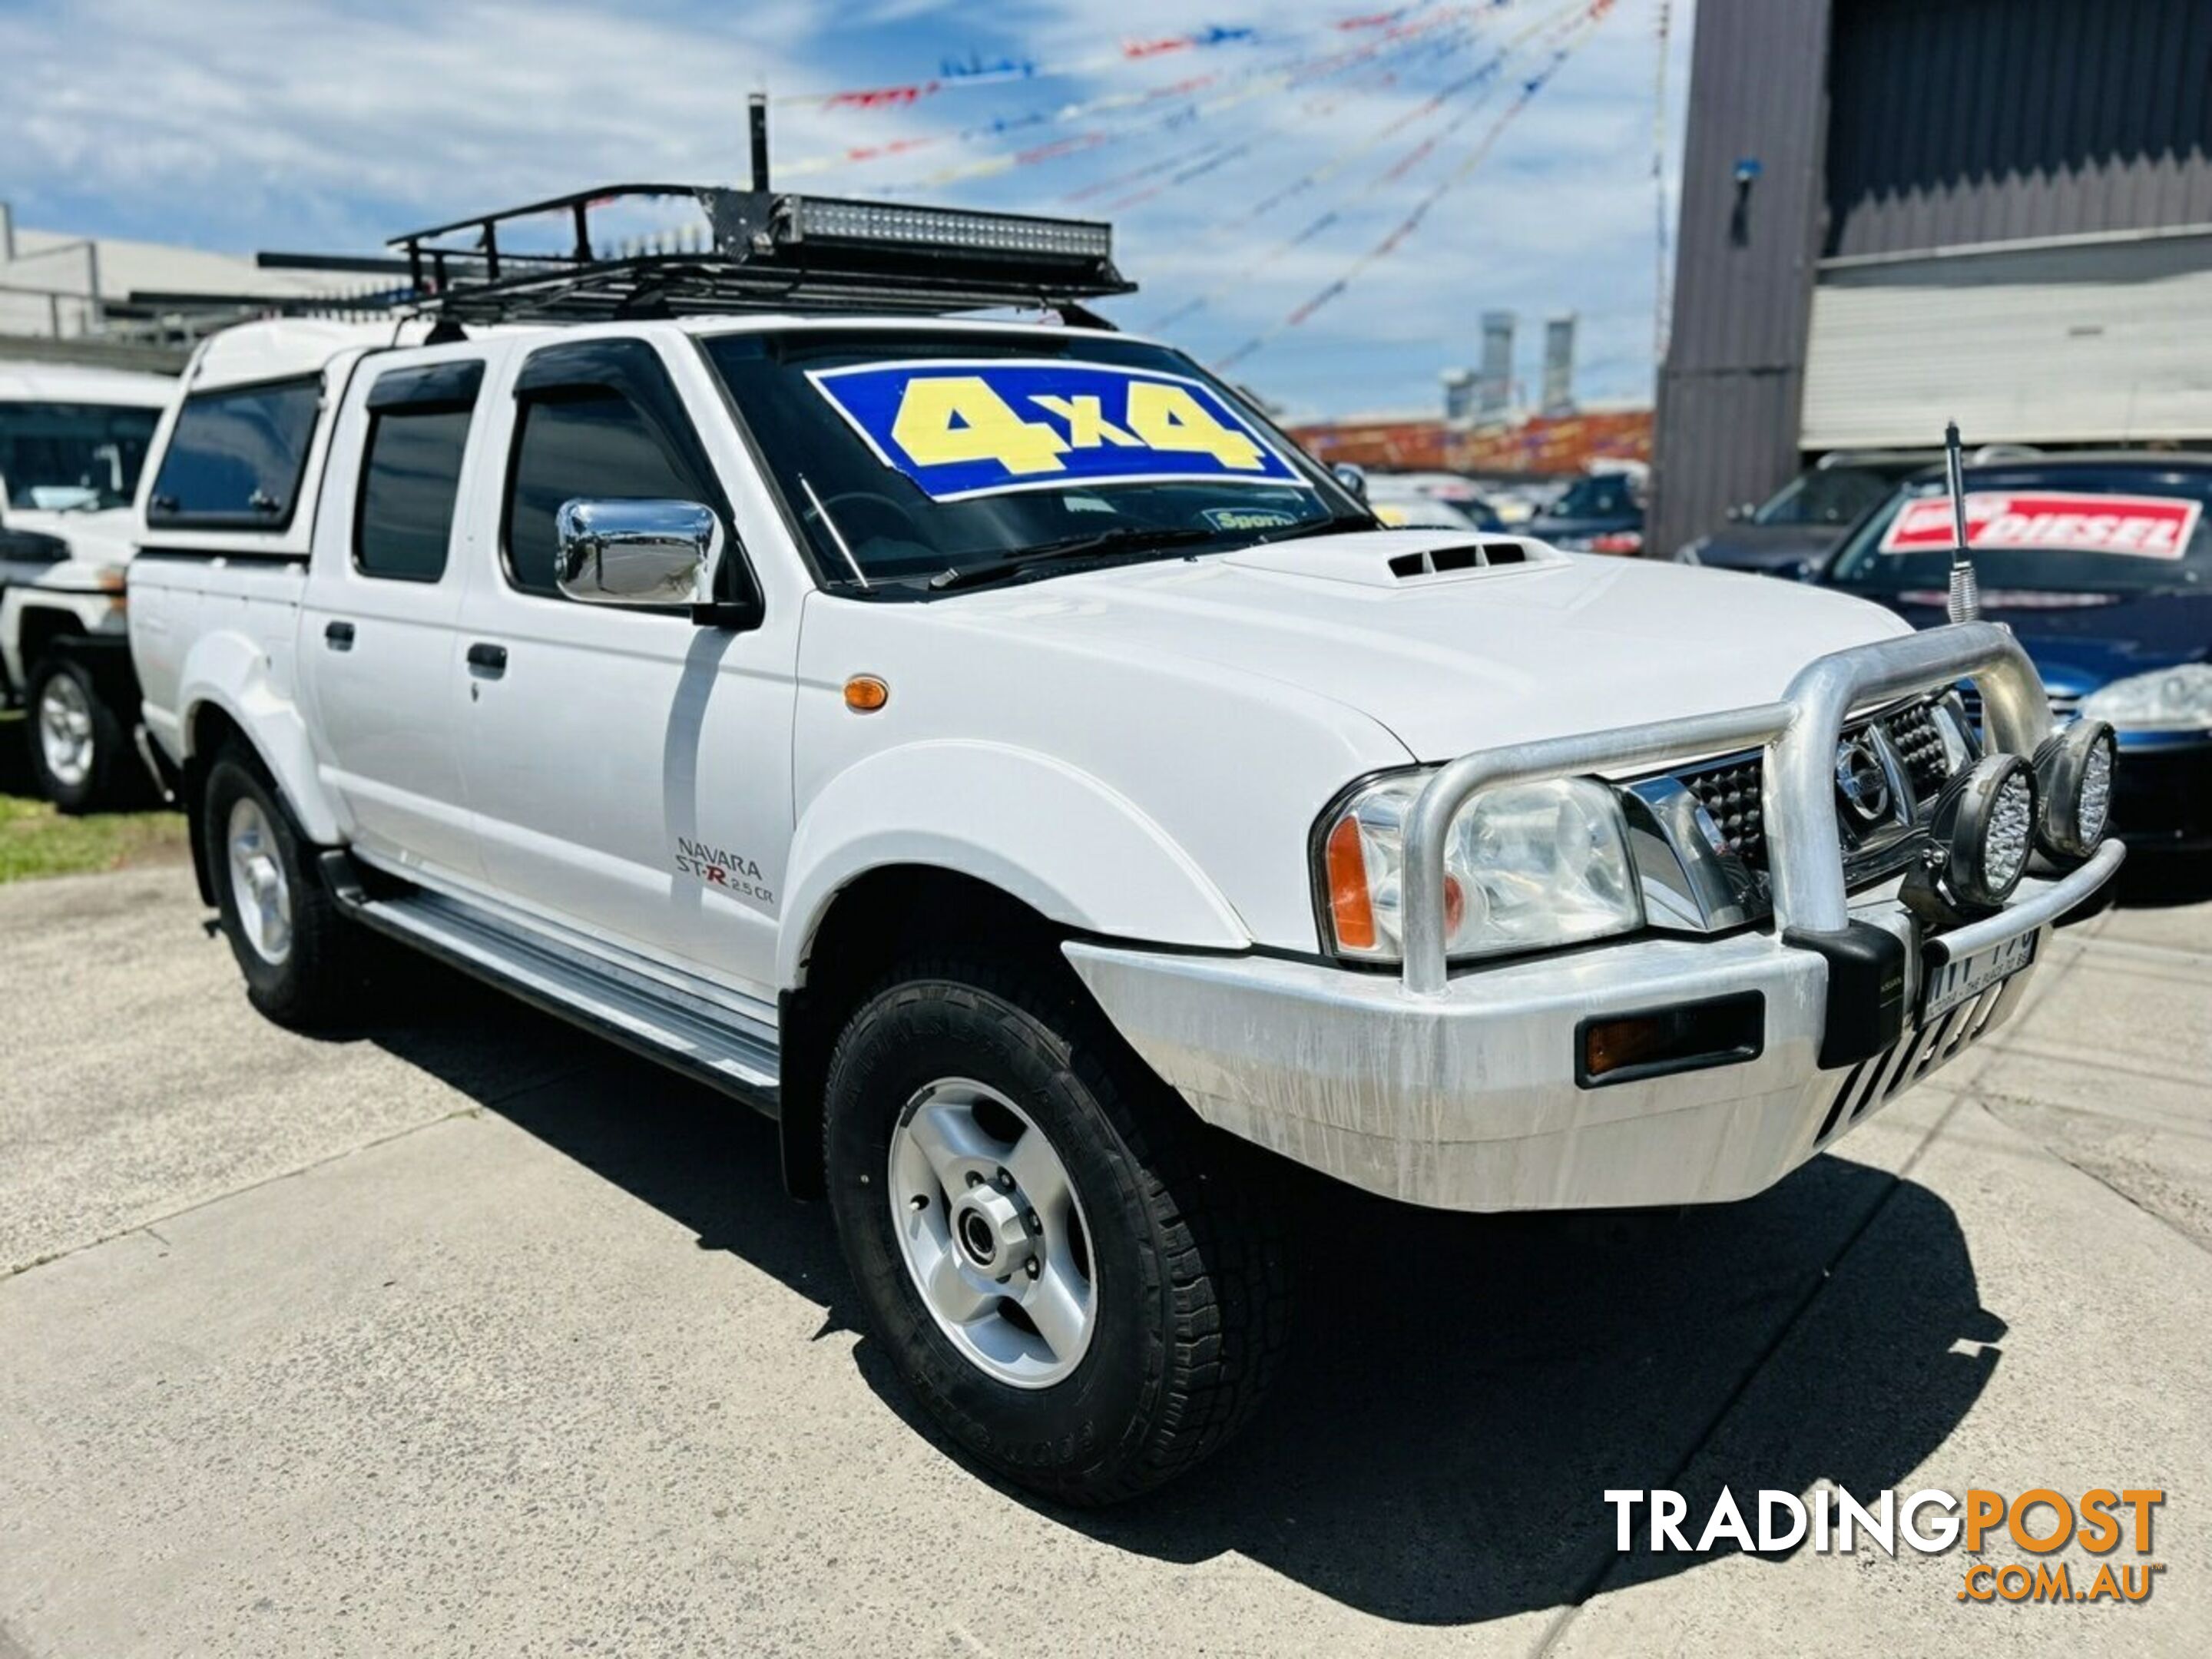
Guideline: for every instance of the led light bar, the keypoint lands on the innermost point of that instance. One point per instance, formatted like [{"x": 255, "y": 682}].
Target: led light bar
[
  {"x": 764, "y": 251},
  {"x": 816, "y": 218}
]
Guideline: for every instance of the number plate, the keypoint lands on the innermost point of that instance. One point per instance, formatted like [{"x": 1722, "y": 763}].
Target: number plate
[{"x": 1964, "y": 978}]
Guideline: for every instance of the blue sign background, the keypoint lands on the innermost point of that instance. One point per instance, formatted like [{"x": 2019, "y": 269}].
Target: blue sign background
[{"x": 871, "y": 398}]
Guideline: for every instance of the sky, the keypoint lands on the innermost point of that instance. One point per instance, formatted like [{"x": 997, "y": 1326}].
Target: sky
[{"x": 328, "y": 125}]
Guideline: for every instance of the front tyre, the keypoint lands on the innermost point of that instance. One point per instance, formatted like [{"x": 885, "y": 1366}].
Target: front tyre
[
  {"x": 294, "y": 949},
  {"x": 1043, "y": 1241}
]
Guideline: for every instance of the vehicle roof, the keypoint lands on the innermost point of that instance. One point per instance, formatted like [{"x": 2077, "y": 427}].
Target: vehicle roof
[
  {"x": 283, "y": 348},
  {"x": 287, "y": 347},
  {"x": 72, "y": 383},
  {"x": 2197, "y": 460}
]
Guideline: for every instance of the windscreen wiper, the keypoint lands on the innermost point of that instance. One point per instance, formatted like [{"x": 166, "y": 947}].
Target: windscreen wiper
[
  {"x": 1337, "y": 524},
  {"x": 1125, "y": 539}
]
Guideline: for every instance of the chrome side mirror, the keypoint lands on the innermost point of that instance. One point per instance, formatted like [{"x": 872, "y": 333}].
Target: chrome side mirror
[
  {"x": 637, "y": 552},
  {"x": 1352, "y": 476}
]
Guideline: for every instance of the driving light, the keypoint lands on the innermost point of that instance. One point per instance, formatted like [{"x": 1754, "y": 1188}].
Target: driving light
[
  {"x": 2074, "y": 775},
  {"x": 2178, "y": 699},
  {"x": 1525, "y": 868},
  {"x": 1985, "y": 827}
]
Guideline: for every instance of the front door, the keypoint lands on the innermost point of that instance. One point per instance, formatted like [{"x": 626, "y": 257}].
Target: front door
[{"x": 629, "y": 770}]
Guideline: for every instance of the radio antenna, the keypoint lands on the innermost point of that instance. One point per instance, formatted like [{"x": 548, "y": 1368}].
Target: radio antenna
[{"x": 1966, "y": 591}]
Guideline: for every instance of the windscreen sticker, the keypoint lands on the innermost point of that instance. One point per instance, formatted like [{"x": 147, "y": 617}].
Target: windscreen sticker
[
  {"x": 1249, "y": 518},
  {"x": 2045, "y": 521},
  {"x": 993, "y": 426}
]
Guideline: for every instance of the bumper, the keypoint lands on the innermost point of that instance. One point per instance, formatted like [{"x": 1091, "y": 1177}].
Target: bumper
[{"x": 1469, "y": 1101}]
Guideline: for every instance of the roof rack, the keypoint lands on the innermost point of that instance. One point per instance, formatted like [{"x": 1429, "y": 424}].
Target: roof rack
[
  {"x": 761, "y": 250},
  {"x": 764, "y": 251}
]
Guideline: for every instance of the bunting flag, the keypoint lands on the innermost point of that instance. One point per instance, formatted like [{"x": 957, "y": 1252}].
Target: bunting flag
[
  {"x": 1594, "y": 14},
  {"x": 1207, "y": 95},
  {"x": 955, "y": 75},
  {"x": 1480, "y": 81}
]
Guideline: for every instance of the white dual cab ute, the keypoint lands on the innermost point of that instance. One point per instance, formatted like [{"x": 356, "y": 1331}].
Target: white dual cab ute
[
  {"x": 73, "y": 441},
  {"x": 996, "y": 752}
]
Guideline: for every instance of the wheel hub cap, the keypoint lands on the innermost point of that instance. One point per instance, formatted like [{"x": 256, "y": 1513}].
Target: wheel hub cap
[
  {"x": 992, "y": 1233},
  {"x": 261, "y": 894},
  {"x": 65, "y": 732}
]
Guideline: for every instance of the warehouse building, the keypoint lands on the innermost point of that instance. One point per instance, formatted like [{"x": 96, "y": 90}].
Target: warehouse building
[{"x": 1899, "y": 211}]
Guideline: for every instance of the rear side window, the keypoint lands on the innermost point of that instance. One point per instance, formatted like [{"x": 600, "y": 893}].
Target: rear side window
[
  {"x": 236, "y": 457},
  {"x": 587, "y": 442},
  {"x": 411, "y": 473}
]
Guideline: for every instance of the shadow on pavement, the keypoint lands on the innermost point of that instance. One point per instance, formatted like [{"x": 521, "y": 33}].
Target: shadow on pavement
[{"x": 1462, "y": 1389}]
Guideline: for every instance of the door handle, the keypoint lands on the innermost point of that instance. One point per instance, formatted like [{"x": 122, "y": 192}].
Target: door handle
[
  {"x": 488, "y": 659},
  {"x": 339, "y": 635}
]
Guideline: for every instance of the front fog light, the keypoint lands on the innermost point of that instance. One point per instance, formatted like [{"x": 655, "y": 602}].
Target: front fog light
[
  {"x": 2074, "y": 775},
  {"x": 1983, "y": 829}
]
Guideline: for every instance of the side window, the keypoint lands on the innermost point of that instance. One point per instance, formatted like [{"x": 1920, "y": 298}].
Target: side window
[
  {"x": 584, "y": 441},
  {"x": 236, "y": 457},
  {"x": 411, "y": 472}
]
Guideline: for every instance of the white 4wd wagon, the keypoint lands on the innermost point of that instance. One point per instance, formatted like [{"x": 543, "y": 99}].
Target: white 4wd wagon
[{"x": 996, "y": 752}]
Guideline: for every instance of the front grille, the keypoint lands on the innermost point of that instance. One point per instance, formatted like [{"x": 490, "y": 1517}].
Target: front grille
[
  {"x": 1920, "y": 747},
  {"x": 1729, "y": 790},
  {"x": 1729, "y": 794}
]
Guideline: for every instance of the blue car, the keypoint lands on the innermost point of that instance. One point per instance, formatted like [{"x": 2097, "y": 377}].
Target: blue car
[{"x": 2102, "y": 565}]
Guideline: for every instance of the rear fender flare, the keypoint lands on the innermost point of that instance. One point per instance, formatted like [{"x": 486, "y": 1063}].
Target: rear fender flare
[{"x": 228, "y": 672}]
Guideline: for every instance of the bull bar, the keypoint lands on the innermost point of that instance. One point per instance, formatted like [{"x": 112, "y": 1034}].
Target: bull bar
[
  {"x": 1799, "y": 733},
  {"x": 1461, "y": 1091}
]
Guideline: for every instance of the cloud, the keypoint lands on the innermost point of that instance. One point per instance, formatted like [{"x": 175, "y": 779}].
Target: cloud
[{"x": 234, "y": 124}]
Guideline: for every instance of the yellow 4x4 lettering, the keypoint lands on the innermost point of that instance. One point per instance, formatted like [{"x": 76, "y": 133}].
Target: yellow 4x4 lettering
[
  {"x": 944, "y": 419},
  {"x": 988, "y": 429}
]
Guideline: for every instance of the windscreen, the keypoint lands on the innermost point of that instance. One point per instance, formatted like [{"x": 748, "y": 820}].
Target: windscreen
[
  {"x": 2122, "y": 527},
  {"x": 62, "y": 457},
  {"x": 929, "y": 450}
]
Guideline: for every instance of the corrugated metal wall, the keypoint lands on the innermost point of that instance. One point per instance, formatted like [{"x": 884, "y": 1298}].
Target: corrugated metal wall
[
  {"x": 2090, "y": 342},
  {"x": 1728, "y": 396},
  {"x": 1958, "y": 122}
]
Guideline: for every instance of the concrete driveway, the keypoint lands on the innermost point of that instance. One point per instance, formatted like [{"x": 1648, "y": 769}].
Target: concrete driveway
[{"x": 464, "y": 1334}]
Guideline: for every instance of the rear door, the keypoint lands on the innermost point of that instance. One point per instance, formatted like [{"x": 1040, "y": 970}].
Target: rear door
[
  {"x": 380, "y": 663},
  {"x": 630, "y": 770}
]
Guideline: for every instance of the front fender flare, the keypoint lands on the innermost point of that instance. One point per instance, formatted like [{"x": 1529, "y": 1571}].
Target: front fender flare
[
  {"x": 1071, "y": 849},
  {"x": 229, "y": 672}
]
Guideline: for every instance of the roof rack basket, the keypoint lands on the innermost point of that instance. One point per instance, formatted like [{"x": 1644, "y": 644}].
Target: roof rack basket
[{"x": 762, "y": 251}]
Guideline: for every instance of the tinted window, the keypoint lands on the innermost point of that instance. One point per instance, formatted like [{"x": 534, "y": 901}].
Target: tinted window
[
  {"x": 593, "y": 445},
  {"x": 408, "y": 485},
  {"x": 1602, "y": 496},
  {"x": 63, "y": 456},
  {"x": 237, "y": 457}
]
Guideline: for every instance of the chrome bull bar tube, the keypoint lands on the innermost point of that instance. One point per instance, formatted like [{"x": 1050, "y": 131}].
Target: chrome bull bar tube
[{"x": 1805, "y": 859}]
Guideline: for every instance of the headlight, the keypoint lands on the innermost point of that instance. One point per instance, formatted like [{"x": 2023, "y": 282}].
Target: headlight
[
  {"x": 1525, "y": 868},
  {"x": 2171, "y": 700}
]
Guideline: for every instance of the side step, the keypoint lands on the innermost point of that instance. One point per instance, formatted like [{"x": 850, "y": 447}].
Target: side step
[{"x": 710, "y": 1043}]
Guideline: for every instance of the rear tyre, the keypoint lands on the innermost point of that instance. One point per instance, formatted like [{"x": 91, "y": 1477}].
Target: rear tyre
[
  {"x": 81, "y": 757},
  {"x": 298, "y": 953},
  {"x": 1047, "y": 1245}
]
